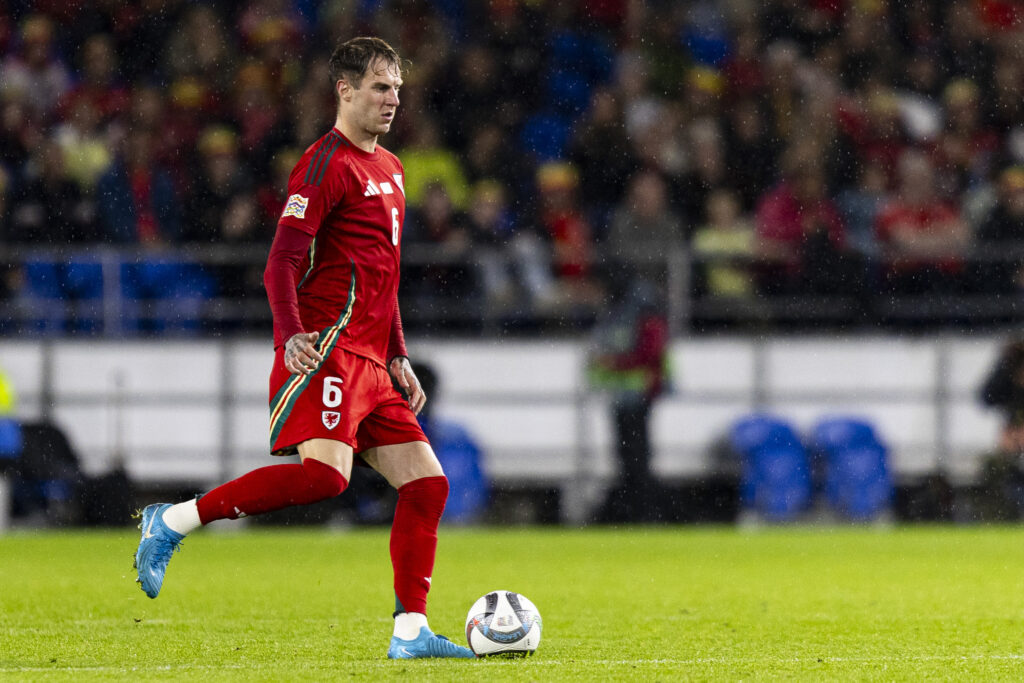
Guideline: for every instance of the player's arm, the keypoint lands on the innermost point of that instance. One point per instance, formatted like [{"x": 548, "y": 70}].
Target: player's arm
[
  {"x": 400, "y": 367},
  {"x": 286, "y": 254},
  {"x": 313, "y": 191}
]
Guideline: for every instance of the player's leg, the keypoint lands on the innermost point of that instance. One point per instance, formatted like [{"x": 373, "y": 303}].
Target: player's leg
[
  {"x": 323, "y": 473},
  {"x": 303, "y": 412},
  {"x": 413, "y": 469}
]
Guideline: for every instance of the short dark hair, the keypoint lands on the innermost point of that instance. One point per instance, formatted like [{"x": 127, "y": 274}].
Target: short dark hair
[{"x": 351, "y": 59}]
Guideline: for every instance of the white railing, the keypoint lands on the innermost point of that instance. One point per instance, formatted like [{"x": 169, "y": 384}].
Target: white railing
[
  {"x": 105, "y": 298},
  {"x": 196, "y": 411}
]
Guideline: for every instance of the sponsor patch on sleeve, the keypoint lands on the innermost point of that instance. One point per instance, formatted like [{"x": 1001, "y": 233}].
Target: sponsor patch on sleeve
[{"x": 296, "y": 206}]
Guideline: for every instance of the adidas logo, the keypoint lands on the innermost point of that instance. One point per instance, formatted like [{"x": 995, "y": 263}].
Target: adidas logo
[{"x": 372, "y": 189}]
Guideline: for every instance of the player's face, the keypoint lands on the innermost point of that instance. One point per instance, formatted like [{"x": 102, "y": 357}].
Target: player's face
[{"x": 372, "y": 106}]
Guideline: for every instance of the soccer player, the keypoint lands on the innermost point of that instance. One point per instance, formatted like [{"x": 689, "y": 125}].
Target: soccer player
[{"x": 332, "y": 282}]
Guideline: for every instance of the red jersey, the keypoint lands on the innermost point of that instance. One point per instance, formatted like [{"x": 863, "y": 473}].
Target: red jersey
[{"x": 353, "y": 204}]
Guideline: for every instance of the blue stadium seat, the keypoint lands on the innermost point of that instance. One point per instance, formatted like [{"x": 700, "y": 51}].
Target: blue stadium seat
[
  {"x": 858, "y": 484},
  {"x": 11, "y": 442},
  {"x": 10, "y": 439},
  {"x": 83, "y": 287},
  {"x": 43, "y": 279},
  {"x": 65, "y": 297},
  {"x": 165, "y": 295},
  {"x": 45, "y": 297},
  {"x": 776, "y": 473},
  {"x": 83, "y": 280}
]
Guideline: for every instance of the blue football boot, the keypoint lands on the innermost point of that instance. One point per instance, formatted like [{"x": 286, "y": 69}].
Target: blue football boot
[
  {"x": 426, "y": 644},
  {"x": 156, "y": 546}
]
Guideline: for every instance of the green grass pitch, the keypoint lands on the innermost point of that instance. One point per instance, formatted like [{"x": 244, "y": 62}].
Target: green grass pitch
[{"x": 618, "y": 604}]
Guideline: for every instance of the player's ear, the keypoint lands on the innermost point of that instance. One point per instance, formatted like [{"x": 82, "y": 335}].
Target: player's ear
[{"x": 343, "y": 89}]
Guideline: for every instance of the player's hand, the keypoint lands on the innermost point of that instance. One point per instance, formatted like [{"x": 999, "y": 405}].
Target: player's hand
[
  {"x": 401, "y": 370},
  {"x": 300, "y": 354}
]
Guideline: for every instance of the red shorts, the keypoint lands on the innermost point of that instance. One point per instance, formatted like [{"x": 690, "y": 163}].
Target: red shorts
[{"x": 348, "y": 398}]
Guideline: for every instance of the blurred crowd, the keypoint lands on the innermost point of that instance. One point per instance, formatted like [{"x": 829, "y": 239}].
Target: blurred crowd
[{"x": 787, "y": 147}]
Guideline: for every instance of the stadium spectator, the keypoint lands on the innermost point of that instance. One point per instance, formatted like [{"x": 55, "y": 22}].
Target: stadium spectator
[
  {"x": 190, "y": 105},
  {"x": 860, "y": 205},
  {"x": 641, "y": 107},
  {"x": 1004, "y": 107},
  {"x": 1001, "y": 238},
  {"x": 1002, "y": 475},
  {"x": 871, "y": 127},
  {"x": 18, "y": 132},
  {"x": 491, "y": 231},
  {"x": 965, "y": 48},
  {"x": 742, "y": 68},
  {"x": 99, "y": 84},
  {"x": 750, "y": 151},
  {"x": 147, "y": 112},
  {"x": 643, "y": 228},
  {"x": 34, "y": 72},
  {"x": 662, "y": 50},
  {"x": 628, "y": 359},
  {"x": 724, "y": 248},
  {"x": 799, "y": 231},
  {"x": 574, "y": 288},
  {"x": 200, "y": 47},
  {"x": 966, "y": 148},
  {"x": 518, "y": 32},
  {"x": 222, "y": 207},
  {"x": 268, "y": 27},
  {"x": 601, "y": 150},
  {"x": 136, "y": 199},
  {"x": 664, "y": 144},
  {"x": 305, "y": 115},
  {"x": 85, "y": 146},
  {"x": 490, "y": 156},
  {"x": 459, "y": 453},
  {"x": 271, "y": 194},
  {"x": 5, "y": 187},
  {"x": 257, "y": 115},
  {"x": 922, "y": 237},
  {"x": 867, "y": 47},
  {"x": 470, "y": 96},
  {"x": 708, "y": 171},
  {"x": 427, "y": 160},
  {"x": 1003, "y": 389},
  {"x": 220, "y": 186},
  {"x": 782, "y": 98},
  {"x": 48, "y": 207},
  {"x": 446, "y": 283}
]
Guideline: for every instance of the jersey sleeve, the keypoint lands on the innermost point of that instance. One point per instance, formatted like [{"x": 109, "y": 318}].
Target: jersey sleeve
[
  {"x": 315, "y": 187},
  {"x": 286, "y": 253}
]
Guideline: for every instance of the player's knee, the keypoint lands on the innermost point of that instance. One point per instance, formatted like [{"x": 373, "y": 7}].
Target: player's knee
[
  {"x": 329, "y": 481},
  {"x": 441, "y": 487},
  {"x": 438, "y": 486}
]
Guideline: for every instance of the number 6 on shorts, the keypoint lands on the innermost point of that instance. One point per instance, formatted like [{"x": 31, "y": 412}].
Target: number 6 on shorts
[{"x": 332, "y": 392}]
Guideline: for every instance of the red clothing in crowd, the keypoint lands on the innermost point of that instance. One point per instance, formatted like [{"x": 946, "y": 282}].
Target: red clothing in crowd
[{"x": 919, "y": 219}]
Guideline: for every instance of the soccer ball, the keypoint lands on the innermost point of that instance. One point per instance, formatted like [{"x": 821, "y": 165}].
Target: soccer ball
[{"x": 503, "y": 623}]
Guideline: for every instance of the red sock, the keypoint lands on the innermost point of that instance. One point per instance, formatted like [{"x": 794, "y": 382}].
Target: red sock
[
  {"x": 414, "y": 540},
  {"x": 271, "y": 488}
]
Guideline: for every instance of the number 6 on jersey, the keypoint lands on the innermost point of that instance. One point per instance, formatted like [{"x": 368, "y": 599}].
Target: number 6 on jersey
[{"x": 332, "y": 392}]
